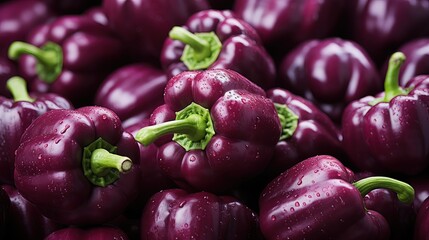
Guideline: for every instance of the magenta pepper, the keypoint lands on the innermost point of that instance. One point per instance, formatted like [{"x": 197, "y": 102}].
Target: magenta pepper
[
  {"x": 135, "y": 89},
  {"x": 307, "y": 131},
  {"x": 317, "y": 199},
  {"x": 16, "y": 115},
  {"x": 24, "y": 220},
  {"x": 177, "y": 214},
  {"x": 93, "y": 233},
  {"x": 387, "y": 133},
  {"x": 213, "y": 39},
  {"x": 225, "y": 130},
  {"x": 78, "y": 167},
  {"x": 331, "y": 73},
  {"x": 144, "y": 24},
  {"x": 69, "y": 56}
]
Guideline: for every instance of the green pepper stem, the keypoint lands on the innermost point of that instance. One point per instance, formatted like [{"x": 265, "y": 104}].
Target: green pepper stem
[
  {"x": 201, "y": 47},
  {"x": 103, "y": 161},
  {"x": 391, "y": 83},
  {"x": 18, "y": 88},
  {"x": 18, "y": 49},
  {"x": 404, "y": 191},
  {"x": 193, "y": 126},
  {"x": 288, "y": 120}
]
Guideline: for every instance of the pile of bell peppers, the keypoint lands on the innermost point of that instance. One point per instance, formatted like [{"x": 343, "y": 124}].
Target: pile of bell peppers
[{"x": 214, "y": 119}]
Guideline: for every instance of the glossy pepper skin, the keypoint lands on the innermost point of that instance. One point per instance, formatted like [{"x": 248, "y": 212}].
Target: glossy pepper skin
[
  {"x": 284, "y": 24},
  {"x": 135, "y": 89},
  {"x": 213, "y": 39},
  {"x": 69, "y": 56},
  {"x": 17, "y": 114},
  {"x": 381, "y": 33},
  {"x": 94, "y": 233},
  {"x": 306, "y": 131},
  {"x": 144, "y": 24},
  {"x": 422, "y": 221},
  {"x": 331, "y": 73},
  {"x": 225, "y": 130},
  {"x": 177, "y": 214},
  {"x": 388, "y": 133},
  {"x": 316, "y": 199},
  {"x": 78, "y": 167},
  {"x": 24, "y": 220},
  {"x": 18, "y": 18}
]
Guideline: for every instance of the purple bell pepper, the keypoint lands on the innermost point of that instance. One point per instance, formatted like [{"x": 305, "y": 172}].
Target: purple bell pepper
[
  {"x": 78, "y": 167},
  {"x": 143, "y": 25},
  {"x": 225, "y": 130},
  {"x": 388, "y": 133},
  {"x": 24, "y": 220},
  {"x": 382, "y": 26},
  {"x": 213, "y": 39},
  {"x": 307, "y": 131},
  {"x": 8, "y": 69},
  {"x": 16, "y": 115},
  {"x": 135, "y": 89},
  {"x": 284, "y": 24},
  {"x": 93, "y": 233},
  {"x": 69, "y": 56},
  {"x": 421, "y": 231},
  {"x": 316, "y": 199},
  {"x": 179, "y": 215},
  {"x": 18, "y": 18},
  {"x": 331, "y": 73}
]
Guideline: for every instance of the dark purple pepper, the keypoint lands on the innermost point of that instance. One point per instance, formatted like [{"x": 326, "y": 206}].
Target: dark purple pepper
[
  {"x": 316, "y": 199},
  {"x": 421, "y": 231},
  {"x": 69, "y": 56},
  {"x": 24, "y": 220},
  {"x": 388, "y": 133},
  {"x": 307, "y": 131},
  {"x": 78, "y": 167},
  {"x": 18, "y": 18},
  {"x": 213, "y": 39},
  {"x": 179, "y": 215},
  {"x": 17, "y": 114},
  {"x": 225, "y": 130},
  {"x": 331, "y": 73},
  {"x": 135, "y": 89},
  {"x": 8, "y": 69},
  {"x": 93, "y": 233},
  {"x": 144, "y": 24},
  {"x": 284, "y": 24},
  {"x": 382, "y": 26}
]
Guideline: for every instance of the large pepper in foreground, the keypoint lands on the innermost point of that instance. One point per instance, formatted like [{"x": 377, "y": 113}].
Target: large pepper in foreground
[
  {"x": 78, "y": 167},
  {"x": 389, "y": 133},
  {"x": 225, "y": 130},
  {"x": 316, "y": 199}
]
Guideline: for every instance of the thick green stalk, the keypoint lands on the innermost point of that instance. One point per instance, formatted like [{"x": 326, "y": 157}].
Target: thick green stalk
[{"x": 18, "y": 88}]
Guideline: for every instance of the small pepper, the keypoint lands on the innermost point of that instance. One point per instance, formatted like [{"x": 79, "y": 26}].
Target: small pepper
[
  {"x": 213, "y": 39},
  {"x": 316, "y": 199},
  {"x": 135, "y": 89},
  {"x": 17, "y": 114},
  {"x": 144, "y": 24},
  {"x": 24, "y": 220},
  {"x": 69, "y": 56},
  {"x": 93, "y": 233},
  {"x": 388, "y": 133},
  {"x": 225, "y": 130},
  {"x": 330, "y": 73},
  {"x": 78, "y": 167},
  {"x": 178, "y": 215}
]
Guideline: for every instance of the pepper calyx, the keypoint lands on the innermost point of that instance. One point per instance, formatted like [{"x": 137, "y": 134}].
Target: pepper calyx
[
  {"x": 101, "y": 165},
  {"x": 288, "y": 120},
  {"x": 404, "y": 191},
  {"x": 193, "y": 128},
  {"x": 49, "y": 58},
  {"x": 18, "y": 88},
  {"x": 201, "y": 50}
]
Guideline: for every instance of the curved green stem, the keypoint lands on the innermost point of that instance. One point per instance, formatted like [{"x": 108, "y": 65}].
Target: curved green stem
[
  {"x": 193, "y": 128},
  {"x": 102, "y": 161},
  {"x": 18, "y": 88},
  {"x": 201, "y": 50},
  {"x": 288, "y": 120},
  {"x": 391, "y": 83},
  {"x": 49, "y": 58},
  {"x": 404, "y": 191}
]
